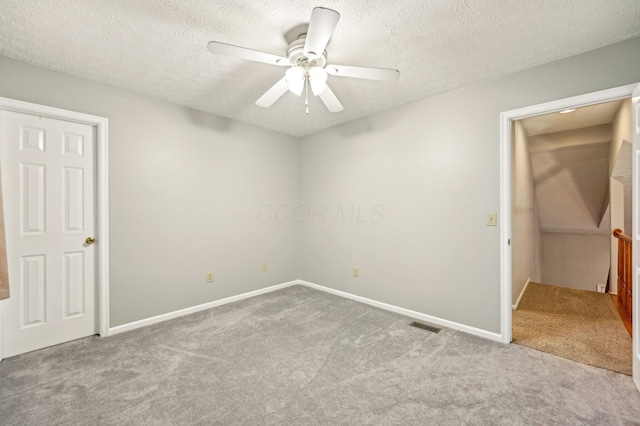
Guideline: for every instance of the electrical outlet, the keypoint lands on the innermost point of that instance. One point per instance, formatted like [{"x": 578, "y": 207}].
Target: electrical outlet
[
  {"x": 492, "y": 219},
  {"x": 265, "y": 267},
  {"x": 356, "y": 272},
  {"x": 209, "y": 276}
]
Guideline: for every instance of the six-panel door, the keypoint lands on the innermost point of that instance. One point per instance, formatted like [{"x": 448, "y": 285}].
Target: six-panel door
[{"x": 48, "y": 181}]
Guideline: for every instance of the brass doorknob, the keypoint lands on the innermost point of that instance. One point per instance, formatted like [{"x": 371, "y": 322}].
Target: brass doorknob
[{"x": 90, "y": 240}]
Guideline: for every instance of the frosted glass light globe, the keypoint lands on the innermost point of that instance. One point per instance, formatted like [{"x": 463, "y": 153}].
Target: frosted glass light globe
[{"x": 295, "y": 79}]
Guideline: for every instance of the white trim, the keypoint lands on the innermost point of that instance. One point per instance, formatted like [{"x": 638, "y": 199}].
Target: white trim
[
  {"x": 197, "y": 308},
  {"x": 413, "y": 314},
  {"x": 102, "y": 192},
  {"x": 515, "y": 306},
  {"x": 635, "y": 225},
  {"x": 506, "y": 265},
  {"x": 102, "y": 197},
  {"x": 506, "y": 119},
  {"x": 579, "y": 101}
]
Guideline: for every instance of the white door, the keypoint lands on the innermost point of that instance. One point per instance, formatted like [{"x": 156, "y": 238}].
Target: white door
[
  {"x": 48, "y": 185},
  {"x": 635, "y": 106}
]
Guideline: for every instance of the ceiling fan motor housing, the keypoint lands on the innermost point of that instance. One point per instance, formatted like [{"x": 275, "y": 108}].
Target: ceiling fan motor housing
[{"x": 296, "y": 55}]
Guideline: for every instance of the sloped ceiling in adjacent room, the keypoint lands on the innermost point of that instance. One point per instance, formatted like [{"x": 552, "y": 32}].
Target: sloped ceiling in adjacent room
[
  {"x": 593, "y": 115},
  {"x": 571, "y": 187},
  {"x": 570, "y": 164},
  {"x": 159, "y": 47}
]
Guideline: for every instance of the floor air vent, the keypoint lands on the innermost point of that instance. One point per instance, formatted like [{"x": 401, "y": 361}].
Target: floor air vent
[{"x": 426, "y": 327}]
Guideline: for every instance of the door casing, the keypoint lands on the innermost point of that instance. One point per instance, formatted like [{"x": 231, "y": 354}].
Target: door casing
[
  {"x": 635, "y": 225},
  {"x": 102, "y": 197},
  {"x": 506, "y": 146}
]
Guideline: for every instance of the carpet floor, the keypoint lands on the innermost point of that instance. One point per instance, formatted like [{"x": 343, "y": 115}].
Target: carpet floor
[
  {"x": 298, "y": 356},
  {"x": 576, "y": 324}
]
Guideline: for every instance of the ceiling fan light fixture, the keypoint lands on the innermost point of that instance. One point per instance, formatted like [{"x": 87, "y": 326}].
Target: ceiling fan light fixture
[
  {"x": 306, "y": 61},
  {"x": 318, "y": 80},
  {"x": 295, "y": 80}
]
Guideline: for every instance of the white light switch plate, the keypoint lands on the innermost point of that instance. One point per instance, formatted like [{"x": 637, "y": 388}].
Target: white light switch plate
[{"x": 492, "y": 219}]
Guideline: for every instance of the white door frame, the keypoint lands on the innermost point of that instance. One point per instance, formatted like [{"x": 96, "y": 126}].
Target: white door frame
[
  {"x": 506, "y": 144},
  {"x": 102, "y": 196}
]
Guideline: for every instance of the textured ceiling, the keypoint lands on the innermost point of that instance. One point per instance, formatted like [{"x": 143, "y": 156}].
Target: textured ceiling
[
  {"x": 158, "y": 47},
  {"x": 588, "y": 116}
]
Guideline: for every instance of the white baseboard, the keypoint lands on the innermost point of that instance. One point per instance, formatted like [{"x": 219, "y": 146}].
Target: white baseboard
[
  {"x": 521, "y": 294},
  {"x": 197, "y": 308},
  {"x": 413, "y": 314}
]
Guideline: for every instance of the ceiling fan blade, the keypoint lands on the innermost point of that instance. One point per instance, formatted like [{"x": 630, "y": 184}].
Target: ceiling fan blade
[
  {"x": 273, "y": 94},
  {"x": 330, "y": 100},
  {"x": 382, "y": 74},
  {"x": 323, "y": 22},
  {"x": 244, "y": 53}
]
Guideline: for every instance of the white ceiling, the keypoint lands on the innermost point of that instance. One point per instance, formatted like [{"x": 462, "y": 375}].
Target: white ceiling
[
  {"x": 588, "y": 116},
  {"x": 158, "y": 47}
]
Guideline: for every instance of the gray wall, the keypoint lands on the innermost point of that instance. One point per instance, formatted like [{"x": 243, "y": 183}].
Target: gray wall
[
  {"x": 579, "y": 261},
  {"x": 525, "y": 229},
  {"x": 433, "y": 167},
  {"x": 401, "y": 194},
  {"x": 186, "y": 189}
]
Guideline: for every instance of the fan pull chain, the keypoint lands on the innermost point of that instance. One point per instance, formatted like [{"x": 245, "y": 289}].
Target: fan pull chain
[{"x": 306, "y": 93}]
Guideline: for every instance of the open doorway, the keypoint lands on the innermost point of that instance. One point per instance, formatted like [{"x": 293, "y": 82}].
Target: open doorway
[
  {"x": 562, "y": 201},
  {"x": 506, "y": 127}
]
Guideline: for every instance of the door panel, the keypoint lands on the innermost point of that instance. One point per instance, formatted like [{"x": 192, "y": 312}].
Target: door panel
[
  {"x": 32, "y": 286},
  {"x": 73, "y": 199},
  {"x": 48, "y": 179},
  {"x": 74, "y": 284},
  {"x": 32, "y": 194}
]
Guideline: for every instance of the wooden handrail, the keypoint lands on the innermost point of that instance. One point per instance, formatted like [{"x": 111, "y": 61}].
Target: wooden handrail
[
  {"x": 625, "y": 296},
  {"x": 621, "y": 236}
]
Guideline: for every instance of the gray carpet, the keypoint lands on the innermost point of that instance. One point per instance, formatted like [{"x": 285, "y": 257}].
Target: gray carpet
[{"x": 299, "y": 356}]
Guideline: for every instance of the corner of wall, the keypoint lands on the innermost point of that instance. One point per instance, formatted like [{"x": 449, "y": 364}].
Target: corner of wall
[{"x": 524, "y": 288}]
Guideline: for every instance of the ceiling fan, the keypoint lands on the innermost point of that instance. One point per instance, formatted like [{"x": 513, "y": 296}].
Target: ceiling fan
[{"x": 307, "y": 63}]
